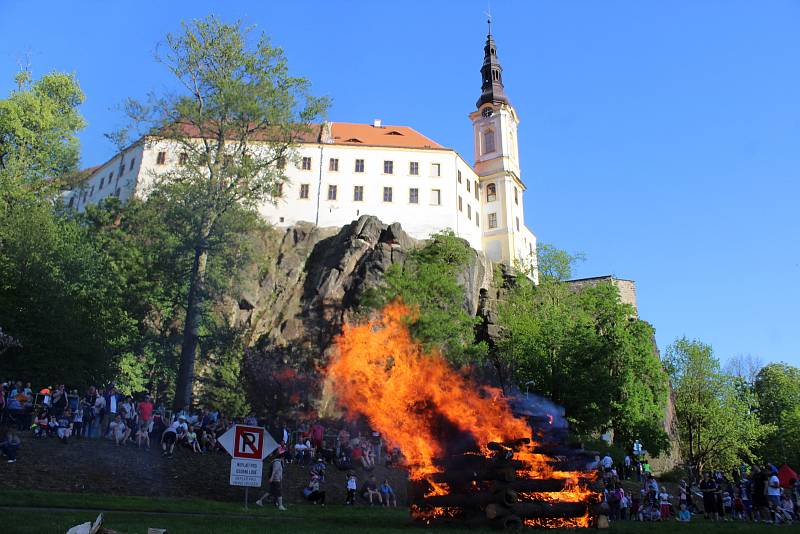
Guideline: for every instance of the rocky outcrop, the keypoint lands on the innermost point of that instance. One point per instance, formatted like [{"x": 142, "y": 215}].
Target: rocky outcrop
[{"x": 309, "y": 281}]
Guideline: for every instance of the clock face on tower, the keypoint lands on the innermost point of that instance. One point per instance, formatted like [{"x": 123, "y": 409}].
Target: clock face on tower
[{"x": 487, "y": 112}]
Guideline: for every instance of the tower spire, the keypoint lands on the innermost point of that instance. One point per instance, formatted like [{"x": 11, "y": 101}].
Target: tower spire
[{"x": 491, "y": 72}]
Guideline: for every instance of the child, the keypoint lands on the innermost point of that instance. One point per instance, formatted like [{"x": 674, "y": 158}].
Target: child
[
  {"x": 727, "y": 504},
  {"x": 65, "y": 426},
  {"x": 313, "y": 492},
  {"x": 352, "y": 483},
  {"x": 40, "y": 425},
  {"x": 77, "y": 421},
  {"x": 142, "y": 436},
  {"x": 387, "y": 494},
  {"x": 684, "y": 516},
  {"x": 663, "y": 499},
  {"x": 191, "y": 439}
]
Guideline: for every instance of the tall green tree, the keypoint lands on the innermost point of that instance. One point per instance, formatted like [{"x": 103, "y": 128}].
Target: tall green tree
[
  {"x": 585, "y": 350},
  {"x": 717, "y": 420},
  {"x": 777, "y": 387},
  {"x": 39, "y": 146},
  {"x": 236, "y": 124}
]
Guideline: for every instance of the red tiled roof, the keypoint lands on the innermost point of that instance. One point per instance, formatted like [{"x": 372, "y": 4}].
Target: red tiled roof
[{"x": 348, "y": 133}]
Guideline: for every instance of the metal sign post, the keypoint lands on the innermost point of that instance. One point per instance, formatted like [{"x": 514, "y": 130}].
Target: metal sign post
[{"x": 248, "y": 446}]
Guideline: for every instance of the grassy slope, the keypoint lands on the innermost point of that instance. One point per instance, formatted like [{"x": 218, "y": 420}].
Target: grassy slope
[{"x": 136, "y": 514}]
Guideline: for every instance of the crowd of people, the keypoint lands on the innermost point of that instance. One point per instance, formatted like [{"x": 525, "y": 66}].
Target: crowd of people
[
  {"x": 65, "y": 415},
  {"x": 751, "y": 493}
]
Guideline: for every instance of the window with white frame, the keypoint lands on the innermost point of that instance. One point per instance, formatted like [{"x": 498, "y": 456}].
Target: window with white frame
[
  {"x": 305, "y": 164},
  {"x": 413, "y": 168},
  {"x": 492, "y": 220},
  {"x": 488, "y": 141},
  {"x": 388, "y": 167},
  {"x": 491, "y": 193},
  {"x": 303, "y": 190},
  {"x": 359, "y": 165},
  {"x": 332, "y": 192},
  {"x": 436, "y": 197},
  {"x": 161, "y": 158},
  {"x": 387, "y": 194},
  {"x": 460, "y": 203},
  {"x": 413, "y": 195},
  {"x": 333, "y": 165},
  {"x": 436, "y": 169},
  {"x": 358, "y": 193}
]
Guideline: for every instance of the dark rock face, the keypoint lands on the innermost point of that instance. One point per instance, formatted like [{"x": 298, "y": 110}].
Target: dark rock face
[{"x": 308, "y": 285}]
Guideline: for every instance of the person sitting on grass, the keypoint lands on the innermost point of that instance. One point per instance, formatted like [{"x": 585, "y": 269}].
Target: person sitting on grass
[
  {"x": 387, "y": 494},
  {"x": 314, "y": 492},
  {"x": 11, "y": 444},
  {"x": 370, "y": 490},
  {"x": 65, "y": 425},
  {"x": 40, "y": 425},
  {"x": 684, "y": 516},
  {"x": 191, "y": 439},
  {"x": 118, "y": 430}
]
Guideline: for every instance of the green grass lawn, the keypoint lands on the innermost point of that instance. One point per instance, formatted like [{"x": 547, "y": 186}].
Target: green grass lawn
[{"x": 133, "y": 515}]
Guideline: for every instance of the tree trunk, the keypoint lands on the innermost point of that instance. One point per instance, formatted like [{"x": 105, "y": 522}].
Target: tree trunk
[{"x": 191, "y": 331}]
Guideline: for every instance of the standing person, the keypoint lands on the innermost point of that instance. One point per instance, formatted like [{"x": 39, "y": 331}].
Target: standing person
[
  {"x": 709, "y": 487},
  {"x": 774, "y": 492},
  {"x": 759, "y": 494},
  {"x": 352, "y": 484},
  {"x": 146, "y": 414},
  {"x": 317, "y": 434},
  {"x": 100, "y": 412},
  {"x": 89, "y": 413},
  {"x": 663, "y": 501},
  {"x": 59, "y": 400},
  {"x": 275, "y": 482},
  {"x": 626, "y": 467},
  {"x": 77, "y": 421},
  {"x": 11, "y": 444}
]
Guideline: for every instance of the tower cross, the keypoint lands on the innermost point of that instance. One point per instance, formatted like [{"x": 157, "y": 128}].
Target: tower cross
[{"x": 488, "y": 14}]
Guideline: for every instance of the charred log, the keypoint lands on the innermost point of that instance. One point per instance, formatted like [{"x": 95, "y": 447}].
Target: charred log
[{"x": 538, "y": 509}]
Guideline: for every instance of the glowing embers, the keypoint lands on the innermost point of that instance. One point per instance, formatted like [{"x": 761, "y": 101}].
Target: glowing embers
[{"x": 470, "y": 459}]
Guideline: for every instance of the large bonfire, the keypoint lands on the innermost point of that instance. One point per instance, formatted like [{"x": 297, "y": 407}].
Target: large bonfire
[{"x": 467, "y": 453}]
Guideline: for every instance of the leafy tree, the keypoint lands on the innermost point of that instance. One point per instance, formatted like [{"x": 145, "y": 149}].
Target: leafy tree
[
  {"x": 717, "y": 421},
  {"x": 236, "y": 124},
  {"x": 39, "y": 147},
  {"x": 777, "y": 386},
  {"x": 429, "y": 282},
  {"x": 585, "y": 350},
  {"x": 61, "y": 298}
]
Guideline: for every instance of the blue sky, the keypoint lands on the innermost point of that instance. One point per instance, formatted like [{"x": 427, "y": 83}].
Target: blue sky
[{"x": 659, "y": 138}]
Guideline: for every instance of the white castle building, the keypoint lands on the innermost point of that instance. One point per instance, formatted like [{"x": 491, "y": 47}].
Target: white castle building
[{"x": 346, "y": 170}]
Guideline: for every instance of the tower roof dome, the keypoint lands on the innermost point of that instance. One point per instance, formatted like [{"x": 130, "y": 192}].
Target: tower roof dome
[{"x": 491, "y": 75}]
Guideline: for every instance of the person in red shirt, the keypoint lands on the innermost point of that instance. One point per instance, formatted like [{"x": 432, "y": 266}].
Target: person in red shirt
[
  {"x": 317, "y": 432},
  {"x": 146, "y": 414}
]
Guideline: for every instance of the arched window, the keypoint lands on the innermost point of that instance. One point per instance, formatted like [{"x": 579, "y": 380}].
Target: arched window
[
  {"x": 491, "y": 193},
  {"x": 488, "y": 141}
]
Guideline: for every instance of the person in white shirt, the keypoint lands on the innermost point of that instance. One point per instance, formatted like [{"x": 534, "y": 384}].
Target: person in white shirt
[
  {"x": 169, "y": 437},
  {"x": 118, "y": 430},
  {"x": 774, "y": 491}
]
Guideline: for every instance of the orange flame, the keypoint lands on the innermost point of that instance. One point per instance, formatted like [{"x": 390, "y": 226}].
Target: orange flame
[{"x": 379, "y": 371}]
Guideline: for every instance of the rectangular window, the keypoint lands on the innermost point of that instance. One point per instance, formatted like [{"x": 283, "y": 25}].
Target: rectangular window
[
  {"x": 492, "y": 220},
  {"x": 102, "y": 180},
  {"x": 331, "y": 192},
  {"x": 110, "y": 176},
  {"x": 517, "y": 224},
  {"x": 91, "y": 192},
  {"x": 359, "y": 165},
  {"x": 278, "y": 190},
  {"x": 333, "y": 165},
  {"x": 460, "y": 203},
  {"x": 413, "y": 168},
  {"x": 161, "y": 158},
  {"x": 358, "y": 193},
  {"x": 183, "y": 158},
  {"x": 469, "y": 212},
  {"x": 387, "y": 194},
  {"x": 436, "y": 169},
  {"x": 477, "y": 220},
  {"x": 488, "y": 141},
  {"x": 303, "y": 190},
  {"x": 121, "y": 168},
  {"x": 413, "y": 195},
  {"x": 71, "y": 202},
  {"x": 516, "y": 196},
  {"x": 477, "y": 195},
  {"x": 459, "y": 180},
  {"x": 436, "y": 197},
  {"x": 388, "y": 167},
  {"x": 306, "y": 163},
  {"x": 468, "y": 189},
  {"x": 131, "y": 165}
]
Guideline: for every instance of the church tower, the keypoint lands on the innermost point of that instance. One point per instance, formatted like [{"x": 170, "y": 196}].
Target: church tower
[{"x": 505, "y": 237}]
